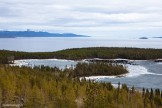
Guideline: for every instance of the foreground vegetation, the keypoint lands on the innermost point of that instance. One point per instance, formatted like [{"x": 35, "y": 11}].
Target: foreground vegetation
[
  {"x": 84, "y": 53},
  {"x": 42, "y": 87}
]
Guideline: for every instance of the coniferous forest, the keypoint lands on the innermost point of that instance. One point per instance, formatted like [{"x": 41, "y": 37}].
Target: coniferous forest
[
  {"x": 45, "y": 87},
  {"x": 86, "y": 53},
  {"x": 95, "y": 69}
]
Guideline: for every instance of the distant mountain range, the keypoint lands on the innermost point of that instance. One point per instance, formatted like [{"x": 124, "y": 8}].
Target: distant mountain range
[{"x": 14, "y": 34}]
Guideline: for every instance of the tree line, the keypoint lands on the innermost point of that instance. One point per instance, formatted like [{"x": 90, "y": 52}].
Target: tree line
[
  {"x": 86, "y": 53},
  {"x": 95, "y": 69}
]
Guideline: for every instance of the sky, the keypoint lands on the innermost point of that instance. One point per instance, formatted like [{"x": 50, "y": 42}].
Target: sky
[{"x": 97, "y": 18}]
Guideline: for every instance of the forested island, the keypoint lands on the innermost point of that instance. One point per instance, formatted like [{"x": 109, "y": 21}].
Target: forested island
[{"x": 85, "y": 53}]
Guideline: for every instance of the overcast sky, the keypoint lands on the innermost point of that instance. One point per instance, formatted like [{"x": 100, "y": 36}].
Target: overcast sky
[{"x": 110, "y": 18}]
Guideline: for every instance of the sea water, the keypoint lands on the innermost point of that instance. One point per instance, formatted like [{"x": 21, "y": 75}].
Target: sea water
[
  {"x": 140, "y": 75},
  {"x": 37, "y": 44}
]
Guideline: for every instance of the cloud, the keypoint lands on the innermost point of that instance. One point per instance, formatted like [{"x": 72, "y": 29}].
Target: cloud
[{"x": 92, "y": 17}]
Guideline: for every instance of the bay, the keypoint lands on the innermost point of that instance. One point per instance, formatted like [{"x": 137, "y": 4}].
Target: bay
[
  {"x": 37, "y": 44},
  {"x": 145, "y": 73}
]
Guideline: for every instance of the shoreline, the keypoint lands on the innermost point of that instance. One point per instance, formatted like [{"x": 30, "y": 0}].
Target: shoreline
[{"x": 134, "y": 70}]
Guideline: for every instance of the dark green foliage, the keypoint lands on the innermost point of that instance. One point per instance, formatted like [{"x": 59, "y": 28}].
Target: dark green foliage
[
  {"x": 85, "y": 53},
  {"x": 90, "y": 69},
  {"x": 110, "y": 53}
]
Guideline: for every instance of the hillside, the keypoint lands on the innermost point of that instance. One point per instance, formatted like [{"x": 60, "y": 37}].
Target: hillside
[
  {"x": 44, "y": 87},
  {"x": 14, "y": 34}
]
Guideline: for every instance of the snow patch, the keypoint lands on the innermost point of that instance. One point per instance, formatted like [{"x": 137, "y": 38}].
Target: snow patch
[
  {"x": 160, "y": 63},
  {"x": 137, "y": 70},
  {"x": 97, "y": 77}
]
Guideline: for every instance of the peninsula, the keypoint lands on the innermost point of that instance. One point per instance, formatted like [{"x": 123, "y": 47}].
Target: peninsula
[{"x": 28, "y": 33}]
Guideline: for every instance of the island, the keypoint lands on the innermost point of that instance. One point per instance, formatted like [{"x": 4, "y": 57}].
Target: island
[
  {"x": 157, "y": 37},
  {"x": 143, "y": 38},
  {"x": 158, "y": 60}
]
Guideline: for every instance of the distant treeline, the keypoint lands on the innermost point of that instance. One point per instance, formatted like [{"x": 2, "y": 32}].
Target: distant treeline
[
  {"x": 45, "y": 87},
  {"x": 85, "y": 53}
]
